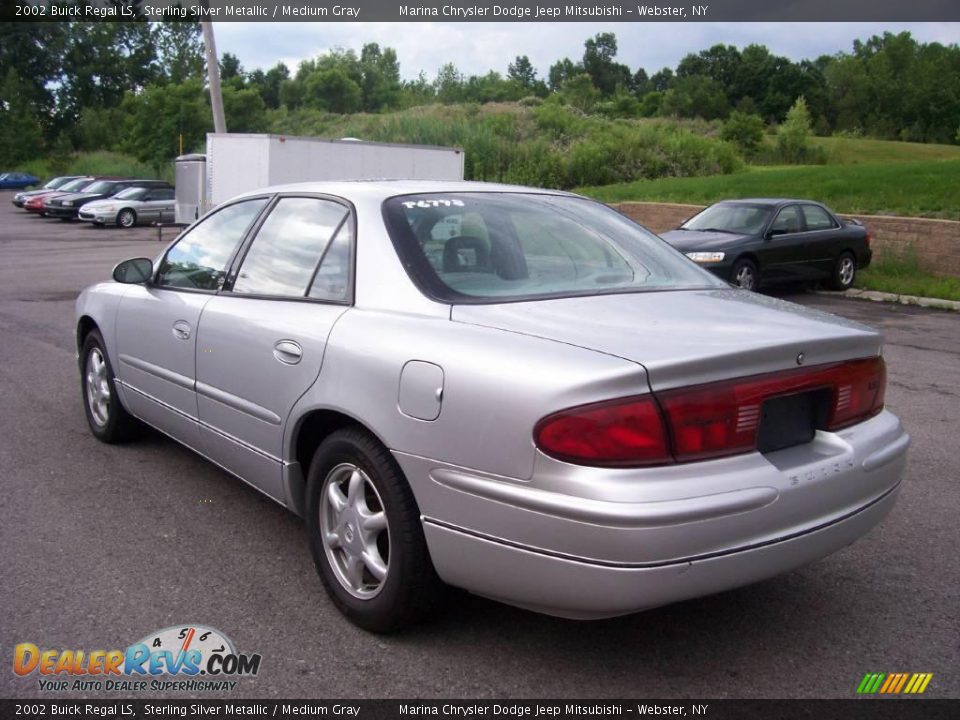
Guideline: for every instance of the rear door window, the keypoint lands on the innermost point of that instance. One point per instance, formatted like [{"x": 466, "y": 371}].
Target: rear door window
[
  {"x": 817, "y": 218},
  {"x": 288, "y": 247}
]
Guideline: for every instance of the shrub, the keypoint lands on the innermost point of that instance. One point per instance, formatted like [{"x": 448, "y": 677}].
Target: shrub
[
  {"x": 743, "y": 130},
  {"x": 794, "y": 134}
]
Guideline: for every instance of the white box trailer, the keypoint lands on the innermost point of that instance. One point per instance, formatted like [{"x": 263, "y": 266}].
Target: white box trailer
[{"x": 237, "y": 162}]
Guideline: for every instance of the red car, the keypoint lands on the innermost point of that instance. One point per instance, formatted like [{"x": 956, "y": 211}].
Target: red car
[{"x": 34, "y": 203}]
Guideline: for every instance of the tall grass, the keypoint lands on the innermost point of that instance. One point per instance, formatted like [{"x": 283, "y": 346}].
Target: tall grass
[
  {"x": 901, "y": 274},
  {"x": 101, "y": 162},
  {"x": 549, "y": 145}
]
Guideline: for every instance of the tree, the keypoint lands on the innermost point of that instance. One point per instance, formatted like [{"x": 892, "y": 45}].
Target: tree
[
  {"x": 794, "y": 134},
  {"x": 522, "y": 72},
  {"x": 598, "y": 63},
  {"x": 449, "y": 84},
  {"x": 179, "y": 48},
  {"x": 21, "y": 136},
  {"x": 381, "y": 77},
  {"x": 230, "y": 67},
  {"x": 561, "y": 71},
  {"x": 333, "y": 90},
  {"x": 158, "y": 116},
  {"x": 745, "y": 131},
  {"x": 244, "y": 109}
]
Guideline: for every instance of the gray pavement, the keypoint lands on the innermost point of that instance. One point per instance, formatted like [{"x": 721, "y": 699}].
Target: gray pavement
[{"x": 100, "y": 545}]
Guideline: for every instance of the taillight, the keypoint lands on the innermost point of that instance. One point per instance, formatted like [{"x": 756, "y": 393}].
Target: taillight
[
  {"x": 705, "y": 421},
  {"x": 868, "y": 240},
  {"x": 620, "y": 432}
]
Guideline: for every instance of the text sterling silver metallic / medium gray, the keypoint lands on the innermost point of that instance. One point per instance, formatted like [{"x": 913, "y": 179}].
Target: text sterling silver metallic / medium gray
[{"x": 513, "y": 391}]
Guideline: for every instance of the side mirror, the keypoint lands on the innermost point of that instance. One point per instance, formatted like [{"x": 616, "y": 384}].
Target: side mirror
[{"x": 133, "y": 272}]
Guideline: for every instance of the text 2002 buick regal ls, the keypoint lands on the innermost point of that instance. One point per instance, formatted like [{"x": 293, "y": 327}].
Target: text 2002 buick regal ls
[{"x": 513, "y": 391}]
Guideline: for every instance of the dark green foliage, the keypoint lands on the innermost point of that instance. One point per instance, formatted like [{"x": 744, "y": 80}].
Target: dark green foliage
[{"x": 743, "y": 130}]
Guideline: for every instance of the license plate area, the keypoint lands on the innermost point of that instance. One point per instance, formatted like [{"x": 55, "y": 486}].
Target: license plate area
[{"x": 790, "y": 420}]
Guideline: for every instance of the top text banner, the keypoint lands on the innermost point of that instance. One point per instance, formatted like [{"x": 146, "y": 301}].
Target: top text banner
[{"x": 491, "y": 11}]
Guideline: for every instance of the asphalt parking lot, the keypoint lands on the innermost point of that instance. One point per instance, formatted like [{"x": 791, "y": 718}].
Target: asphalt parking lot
[{"x": 100, "y": 545}]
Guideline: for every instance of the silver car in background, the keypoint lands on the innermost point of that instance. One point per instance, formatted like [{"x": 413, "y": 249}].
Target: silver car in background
[
  {"x": 513, "y": 391},
  {"x": 133, "y": 206}
]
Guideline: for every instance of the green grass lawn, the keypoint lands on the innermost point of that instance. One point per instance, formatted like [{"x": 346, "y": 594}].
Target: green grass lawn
[
  {"x": 857, "y": 151},
  {"x": 928, "y": 188},
  {"x": 902, "y": 275}
]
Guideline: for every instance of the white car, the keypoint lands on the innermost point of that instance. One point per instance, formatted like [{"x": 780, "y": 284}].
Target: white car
[{"x": 133, "y": 206}]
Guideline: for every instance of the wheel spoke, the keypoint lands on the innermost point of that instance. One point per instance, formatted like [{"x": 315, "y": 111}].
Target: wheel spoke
[
  {"x": 374, "y": 563},
  {"x": 355, "y": 490},
  {"x": 336, "y": 498},
  {"x": 374, "y": 522},
  {"x": 354, "y": 571}
]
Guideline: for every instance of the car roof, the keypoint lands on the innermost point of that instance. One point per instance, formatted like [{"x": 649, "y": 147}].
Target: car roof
[
  {"x": 766, "y": 201},
  {"x": 383, "y": 189}
]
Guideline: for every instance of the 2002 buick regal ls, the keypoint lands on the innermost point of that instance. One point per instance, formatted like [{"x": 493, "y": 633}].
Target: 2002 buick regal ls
[{"x": 513, "y": 391}]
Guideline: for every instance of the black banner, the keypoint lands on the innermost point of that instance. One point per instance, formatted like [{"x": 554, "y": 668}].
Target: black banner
[
  {"x": 613, "y": 11},
  {"x": 863, "y": 709}
]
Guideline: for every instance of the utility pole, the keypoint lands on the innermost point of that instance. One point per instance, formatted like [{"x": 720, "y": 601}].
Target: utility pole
[{"x": 213, "y": 75}]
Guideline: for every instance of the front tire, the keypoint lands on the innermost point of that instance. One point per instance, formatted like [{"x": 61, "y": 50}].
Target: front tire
[
  {"x": 126, "y": 218},
  {"x": 745, "y": 274},
  {"x": 844, "y": 272},
  {"x": 365, "y": 534},
  {"x": 108, "y": 419}
]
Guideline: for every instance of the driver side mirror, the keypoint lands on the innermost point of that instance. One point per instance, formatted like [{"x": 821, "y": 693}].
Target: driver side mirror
[{"x": 133, "y": 272}]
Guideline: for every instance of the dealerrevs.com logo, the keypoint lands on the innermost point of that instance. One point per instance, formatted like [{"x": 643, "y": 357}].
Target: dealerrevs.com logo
[{"x": 186, "y": 658}]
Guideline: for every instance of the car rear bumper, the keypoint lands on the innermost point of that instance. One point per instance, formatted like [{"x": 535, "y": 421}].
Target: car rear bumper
[
  {"x": 570, "y": 588},
  {"x": 594, "y": 538}
]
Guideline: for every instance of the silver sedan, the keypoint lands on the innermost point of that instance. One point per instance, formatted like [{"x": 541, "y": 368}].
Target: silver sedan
[
  {"x": 133, "y": 206},
  {"x": 513, "y": 391}
]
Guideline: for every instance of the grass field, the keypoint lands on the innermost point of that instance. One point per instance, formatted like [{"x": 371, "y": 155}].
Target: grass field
[
  {"x": 902, "y": 275},
  {"x": 101, "y": 162},
  {"x": 928, "y": 188},
  {"x": 858, "y": 151}
]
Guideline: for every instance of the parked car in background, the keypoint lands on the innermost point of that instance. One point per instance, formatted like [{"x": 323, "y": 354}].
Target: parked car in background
[
  {"x": 135, "y": 205},
  {"x": 66, "y": 207},
  {"x": 17, "y": 180},
  {"x": 514, "y": 391},
  {"x": 55, "y": 184},
  {"x": 768, "y": 241},
  {"x": 34, "y": 203}
]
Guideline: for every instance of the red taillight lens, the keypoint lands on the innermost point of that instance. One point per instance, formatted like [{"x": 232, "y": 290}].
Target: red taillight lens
[
  {"x": 706, "y": 421},
  {"x": 620, "y": 432}
]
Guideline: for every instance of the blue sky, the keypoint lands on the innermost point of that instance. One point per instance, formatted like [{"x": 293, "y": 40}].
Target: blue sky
[{"x": 478, "y": 47}]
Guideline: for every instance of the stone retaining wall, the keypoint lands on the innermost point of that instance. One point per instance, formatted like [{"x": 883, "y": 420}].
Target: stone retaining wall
[{"x": 936, "y": 242}]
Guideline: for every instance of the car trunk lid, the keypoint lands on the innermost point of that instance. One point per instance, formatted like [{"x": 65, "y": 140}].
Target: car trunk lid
[{"x": 685, "y": 338}]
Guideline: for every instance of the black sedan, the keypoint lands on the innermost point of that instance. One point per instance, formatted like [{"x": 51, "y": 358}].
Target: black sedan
[
  {"x": 66, "y": 207},
  {"x": 771, "y": 241}
]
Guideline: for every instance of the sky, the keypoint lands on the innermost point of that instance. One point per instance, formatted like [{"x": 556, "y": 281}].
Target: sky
[{"x": 476, "y": 48}]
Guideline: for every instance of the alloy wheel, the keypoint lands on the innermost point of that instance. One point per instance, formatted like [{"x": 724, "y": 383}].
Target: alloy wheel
[{"x": 98, "y": 389}]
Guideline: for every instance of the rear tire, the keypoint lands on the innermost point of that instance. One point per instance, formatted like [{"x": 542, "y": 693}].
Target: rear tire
[
  {"x": 108, "y": 419},
  {"x": 844, "y": 272},
  {"x": 126, "y": 218},
  {"x": 365, "y": 534},
  {"x": 745, "y": 274}
]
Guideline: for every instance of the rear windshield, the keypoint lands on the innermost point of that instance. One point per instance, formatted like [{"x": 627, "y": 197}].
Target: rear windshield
[{"x": 495, "y": 247}]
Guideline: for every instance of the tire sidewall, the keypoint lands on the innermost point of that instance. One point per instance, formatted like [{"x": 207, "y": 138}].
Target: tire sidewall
[
  {"x": 127, "y": 212},
  {"x": 109, "y": 431},
  {"x": 837, "y": 280},
  {"x": 753, "y": 268},
  {"x": 374, "y": 613}
]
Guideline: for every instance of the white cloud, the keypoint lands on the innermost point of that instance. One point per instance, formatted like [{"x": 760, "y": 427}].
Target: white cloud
[{"x": 476, "y": 48}]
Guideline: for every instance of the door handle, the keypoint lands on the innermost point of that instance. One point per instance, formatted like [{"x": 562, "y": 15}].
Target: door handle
[
  {"x": 288, "y": 352},
  {"x": 181, "y": 330}
]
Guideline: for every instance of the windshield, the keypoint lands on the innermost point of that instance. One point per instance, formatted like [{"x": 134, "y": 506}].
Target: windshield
[
  {"x": 56, "y": 182},
  {"x": 134, "y": 193},
  {"x": 100, "y": 186},
  {"x": 740, "y": 218},
  {"x": 75, "y": 185},
  {"x": 490, "y": 247}
]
